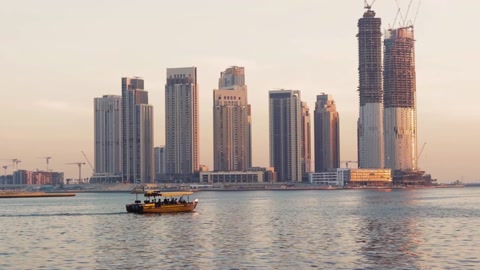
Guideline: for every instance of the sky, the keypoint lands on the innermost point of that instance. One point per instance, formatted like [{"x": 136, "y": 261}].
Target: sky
[{"x": 56, "y": 56}]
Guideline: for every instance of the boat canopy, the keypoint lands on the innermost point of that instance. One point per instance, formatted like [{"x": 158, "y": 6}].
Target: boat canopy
[{"x": 167, "y": 194}]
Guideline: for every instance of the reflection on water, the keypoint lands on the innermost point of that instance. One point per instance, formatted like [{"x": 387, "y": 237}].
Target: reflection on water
[
  {"x": 390, "y": 231},
  {"x": 354, "y": 229}
]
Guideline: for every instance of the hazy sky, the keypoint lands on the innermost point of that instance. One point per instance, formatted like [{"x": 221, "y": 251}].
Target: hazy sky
[{"x": 57, "y": 56}]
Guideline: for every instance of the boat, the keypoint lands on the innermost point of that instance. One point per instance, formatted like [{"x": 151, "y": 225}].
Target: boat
[{"x": 162, "y": 202}]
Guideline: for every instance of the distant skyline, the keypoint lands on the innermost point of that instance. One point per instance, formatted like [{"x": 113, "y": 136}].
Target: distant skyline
[{"x": 57, "y": 56}]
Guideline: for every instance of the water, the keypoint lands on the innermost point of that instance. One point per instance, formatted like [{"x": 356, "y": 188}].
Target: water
[{"x": 351, "y": 229}]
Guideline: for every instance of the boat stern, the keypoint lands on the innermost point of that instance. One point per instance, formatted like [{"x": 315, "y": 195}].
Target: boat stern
[{"x": 134, "y": 208}]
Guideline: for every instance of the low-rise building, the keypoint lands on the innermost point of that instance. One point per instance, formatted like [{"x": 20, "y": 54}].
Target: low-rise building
[
  {"x": 370, "y": 177},
  {"x": 352, "y": 177},
  {"x": 232, "y": 177},
  {"x": 337, "y": 178},
  {"x": 24, "y": 177}
]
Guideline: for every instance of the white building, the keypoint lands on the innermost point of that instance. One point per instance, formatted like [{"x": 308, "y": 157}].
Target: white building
[
  {"x": 338, "y": 178},
  {"x": 107, "y": 134}
]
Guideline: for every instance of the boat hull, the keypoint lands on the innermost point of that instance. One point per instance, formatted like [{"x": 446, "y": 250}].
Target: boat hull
[{"x": 152, "y": 208}]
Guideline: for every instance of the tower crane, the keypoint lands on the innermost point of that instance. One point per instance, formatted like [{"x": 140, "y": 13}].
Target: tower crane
[
  {"x": 349, "y": 161},
  {"x": 421, "y": 151},
  {"x": 47, "y": 160},
  {"x": 5, "y": 173},
  {"x": 15, "y": 163},
  {"x": 79, "y": 164},
  {"x": 90, "y": 164},
  {"x": 369, "y": 6}
]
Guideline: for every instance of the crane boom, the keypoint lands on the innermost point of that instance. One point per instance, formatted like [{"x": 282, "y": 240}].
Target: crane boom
[
  {"x": 79, "y": 164},
  {"x": 90, "y": 164},
  {"x": 367, "y": 5},
  {"x": 416, "y": 13},
  {"x": 421, "y": 151}
]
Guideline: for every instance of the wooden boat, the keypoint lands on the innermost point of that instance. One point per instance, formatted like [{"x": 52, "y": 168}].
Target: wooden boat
[{"x": 162, "y": 202}]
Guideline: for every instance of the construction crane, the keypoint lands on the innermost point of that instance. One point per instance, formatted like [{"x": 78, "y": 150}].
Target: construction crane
[
  {"x": 369, "y": 6},
  {"x": 14, "y": 164},
  {"x": 47, "y": 160},
  {"x": 14, "y": 161},
  {"x": 5, "y": 173},
  {"x": 93, "y": 170},
  {"x": 404, "y": 20},
  {"x": 349, "y": 161},
  {"x": 79, "y": 164},
  {"x": 421, "y": 151}
]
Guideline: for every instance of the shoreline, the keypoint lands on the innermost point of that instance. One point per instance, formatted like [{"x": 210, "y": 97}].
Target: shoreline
[
  {"x": 263, "y": 188},
  {"x": 67, "y": 191},
  {"x": 20, "y": 194}
]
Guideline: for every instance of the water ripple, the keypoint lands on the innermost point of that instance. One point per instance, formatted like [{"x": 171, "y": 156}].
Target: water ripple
[{"x": 422, "y": 229}]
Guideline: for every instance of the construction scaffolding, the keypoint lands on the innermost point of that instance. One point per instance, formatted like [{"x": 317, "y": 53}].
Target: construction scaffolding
[
  {"x": 370, "y": 58},
  {"x": 399, "y": 68},
  {"x": 399, "y": 90}
]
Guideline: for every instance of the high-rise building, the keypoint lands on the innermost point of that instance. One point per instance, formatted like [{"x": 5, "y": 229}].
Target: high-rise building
[
  {"x": 306, "y": 141},
  {"x": 286, "y": 134},
  {"x": 327, "y": 134},
  {"x": 370, "y": 121},
  {"x": 107, "y": 133},
  {"x": 400, "y": 112},
  {"x": 159, "y": 159},
  {"x": 137, "y": 132},
  {"x": 181, "y": 121},
  {"x": 232, "y": 76},
  {"x": 231, "y": 122}
]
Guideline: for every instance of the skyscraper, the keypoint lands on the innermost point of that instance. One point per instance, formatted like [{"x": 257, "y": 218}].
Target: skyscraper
[
  {"x": 231, "y": 122},
  {"x": 137, "y": 132},
  {"x": 286, "y": 134},
  {"x": 327, "y": 134},
  {"x": 181, "y": 121},
  {"x": 108, "y": 130},
  {"x": 306, "y": 141},
  {"x": 159, "y": 159},
  {"x": 370, "y": 121},
  {"x": 400, "y": 113},
  {"x": 232, "y": 76}
]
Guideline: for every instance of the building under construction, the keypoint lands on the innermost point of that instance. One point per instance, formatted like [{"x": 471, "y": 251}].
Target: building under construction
[
  {"x": 399, "y": 86},
  {"x": 370, "y": 121}
]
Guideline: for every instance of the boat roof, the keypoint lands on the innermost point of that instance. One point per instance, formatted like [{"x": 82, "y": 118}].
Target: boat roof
[{"x": 167, "y": 194}]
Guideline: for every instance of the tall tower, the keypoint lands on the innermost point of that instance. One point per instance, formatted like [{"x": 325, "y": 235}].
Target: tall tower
[
  {"x": 181, "y": 121},
  {"x": 108, "y": 130},
  {"x": 231, "y": 122},
  {"x": 159, "y": 159},
  {"x": 137, "y": 132},
  {"x": 306, "y": 141},
  {"x": 370, "y": 121},
  {"x": 327, "y": 134},
  {"x": 286, "y": 134},
  {"x": 232, "y": 76},
  {"x": 400, "y": 113}
]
